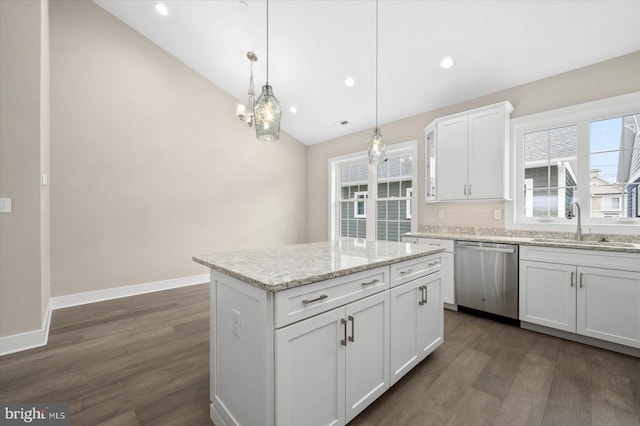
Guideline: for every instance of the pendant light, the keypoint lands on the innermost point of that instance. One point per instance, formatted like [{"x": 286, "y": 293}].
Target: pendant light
[
  {"x": 376, "y": 144},
  {"x": 245, "y": 111},
  {"x": 267, "y": 111}
]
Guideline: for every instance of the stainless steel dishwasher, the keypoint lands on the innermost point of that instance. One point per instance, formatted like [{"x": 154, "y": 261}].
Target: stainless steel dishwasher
[{"x": 486, "y": 278}]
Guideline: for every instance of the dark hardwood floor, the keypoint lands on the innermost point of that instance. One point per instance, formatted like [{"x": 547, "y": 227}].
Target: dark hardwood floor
[{"x": 144, "y": 360}]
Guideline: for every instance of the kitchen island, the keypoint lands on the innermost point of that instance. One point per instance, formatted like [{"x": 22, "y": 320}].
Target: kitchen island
[{"x": 311, "y": 334}]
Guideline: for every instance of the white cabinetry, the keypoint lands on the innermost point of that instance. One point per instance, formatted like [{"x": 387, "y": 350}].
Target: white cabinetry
[
  {"x": 331, "y": 366},
  {"x": 416, "y": 323},
  {"x": 319, "y": 354},
  {"x": 447, "y": 261},
  {"x": 471, "y": 155},
  {"x": 548, "y": 294},
  {"x": 608, "y": 305},
  {"x": 596, "y": 300}
]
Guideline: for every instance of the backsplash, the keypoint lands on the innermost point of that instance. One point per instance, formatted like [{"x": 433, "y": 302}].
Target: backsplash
[{"x": 476, "y": 230}]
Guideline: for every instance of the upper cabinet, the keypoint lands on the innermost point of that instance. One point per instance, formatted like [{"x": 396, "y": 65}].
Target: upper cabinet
[{"x": 467, "y": 155}]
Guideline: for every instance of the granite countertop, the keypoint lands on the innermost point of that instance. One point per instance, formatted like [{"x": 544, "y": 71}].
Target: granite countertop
[
  {"x": 280, "y": 268},
  {"x": 544, "y": 240}
]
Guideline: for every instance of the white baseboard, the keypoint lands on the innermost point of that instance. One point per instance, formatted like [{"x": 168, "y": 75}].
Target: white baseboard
[
  {"x": 39, "y": 337},
  {"x": 29, "y": 339},
  {"x": 125, "y": 291}
]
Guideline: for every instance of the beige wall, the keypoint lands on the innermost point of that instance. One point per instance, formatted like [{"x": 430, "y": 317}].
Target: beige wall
[
  {"x": 149, "y": 165},
  {"x": 23, "y": 157},
  {"x": 614, "y": 77}
]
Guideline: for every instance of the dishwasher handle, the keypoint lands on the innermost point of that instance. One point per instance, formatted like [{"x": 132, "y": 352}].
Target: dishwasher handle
[{"x": 491, "y": 249}]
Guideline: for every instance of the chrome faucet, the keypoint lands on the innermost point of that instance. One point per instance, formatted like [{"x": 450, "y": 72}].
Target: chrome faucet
[{"x": 570, "y": 215}]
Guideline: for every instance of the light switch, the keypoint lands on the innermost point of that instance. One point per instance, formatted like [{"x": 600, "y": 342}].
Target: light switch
[
  {"x": 497, "y": 214},
  {"x": 440, "y": 214},
  {"x": 5, "y": 205},
  {"x": 45, "y": 180}
]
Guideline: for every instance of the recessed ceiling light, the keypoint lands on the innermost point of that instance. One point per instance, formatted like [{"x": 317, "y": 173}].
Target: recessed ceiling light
[
  {"x": 244, "y": 4},
  {"x": 293, "y": 110},
  {"x": 446, "y": 62},
  {"x": 349, "y": 82},
  {"x": 161, "y": 8}
]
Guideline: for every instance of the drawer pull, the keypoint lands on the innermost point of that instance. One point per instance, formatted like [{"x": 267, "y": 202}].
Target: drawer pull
[
  {"x": 353, "y": 328},
  {"x": 580, "y": 279},
  {"x": 433, "y": 264},
  {"x": 408, "y": 271},
  {"x": 343, "y": 342},
  {"x": 371, "y": 282},
  {"x": 307, "y": 301}
]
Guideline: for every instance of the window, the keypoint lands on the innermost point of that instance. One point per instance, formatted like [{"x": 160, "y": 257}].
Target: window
[
  {"x": 360, "y": 205},
  {"x": 353, "y": 198},
  {"x": 373, "y": 202},
  {"x": 588, "y": 153},
  {"x": 549, "y": 171}
]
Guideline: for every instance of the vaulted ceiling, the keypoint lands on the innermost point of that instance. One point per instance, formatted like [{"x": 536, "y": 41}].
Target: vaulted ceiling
[{"x": 314, "y": 45}]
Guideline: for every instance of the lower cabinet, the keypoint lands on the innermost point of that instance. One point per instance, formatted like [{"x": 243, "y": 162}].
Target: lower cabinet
[
  {"x": 416, "y": 323},
  {"x": 608, "y": 305},
  {"x": 548, "y": 295},
  {"x": 331, "y": 366},
  {"x": 319, "y": 354},
  {"x": 595, "y": 302},
  {"x": 447, "y": 259}
]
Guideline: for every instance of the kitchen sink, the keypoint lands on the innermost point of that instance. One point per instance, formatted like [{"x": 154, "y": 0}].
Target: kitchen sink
[{"x": 583, "y": 243}]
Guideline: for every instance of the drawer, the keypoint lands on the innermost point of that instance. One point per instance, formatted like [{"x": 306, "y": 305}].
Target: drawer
[
  {"x": 305, "y": 301},
  {"x": 447, "y": 244},
  {"x": 582, "y": 257},
  {"x": 408, "y": 270}
]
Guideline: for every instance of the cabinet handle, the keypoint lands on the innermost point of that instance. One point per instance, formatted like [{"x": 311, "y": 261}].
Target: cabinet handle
[
  {"x": 371, "y": 282},
  {"x": 469, "y": 189},
  {"x": 353, "y": 329},
  {"x": 426, "y": 295},
  {"x": 465, "y": 190},
  {"x": 307, "y": 301},
  {"x": 580, "y": 279},
  {"x": 572, "y": 278},
  {"x": 421, "y": 302},
  {"x": 344, "y": 323},
  {"x": 433, "y": 264},
  {"x": 408, "y": 271}
]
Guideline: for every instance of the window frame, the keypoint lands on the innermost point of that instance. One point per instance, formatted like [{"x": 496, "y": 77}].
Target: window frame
[
  {"x": 334, "y": 164},
  {"x": 581, "y": 115}
]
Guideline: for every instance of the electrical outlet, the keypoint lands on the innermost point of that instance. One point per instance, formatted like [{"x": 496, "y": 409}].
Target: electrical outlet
[
  {"x": 440, "y": 214},
  {"x": 497, "y": 214},
  {"x": 236, "y": 323}
]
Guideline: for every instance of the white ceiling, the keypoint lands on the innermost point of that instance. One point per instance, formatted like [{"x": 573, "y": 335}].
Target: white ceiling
[{"x": 314, "y": 45}]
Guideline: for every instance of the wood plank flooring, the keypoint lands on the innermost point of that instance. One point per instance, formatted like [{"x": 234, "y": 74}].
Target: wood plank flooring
[{"x": 144, "y": 360}]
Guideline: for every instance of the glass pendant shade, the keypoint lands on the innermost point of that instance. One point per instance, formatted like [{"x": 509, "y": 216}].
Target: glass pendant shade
[
  {"x": 376, "y": 146},
  {"x": 267, "y": 114}
]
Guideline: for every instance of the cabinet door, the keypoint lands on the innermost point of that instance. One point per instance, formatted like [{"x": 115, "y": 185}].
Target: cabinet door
[
  {"x": 404, "y": 305},
  {"x": 448, "y": 288},
  {"x": 487, "y": 154},
  {"x": 609, "y": 305},
  {"x": 430, "y": 316},
  {"x": 310, "y": 365},
  {"x": 548, "y": 294},
  {"x": 367, "y": 362},
  {"x": 451, "y": 154}
]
